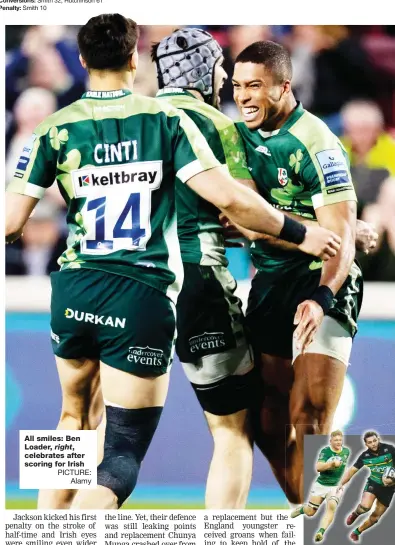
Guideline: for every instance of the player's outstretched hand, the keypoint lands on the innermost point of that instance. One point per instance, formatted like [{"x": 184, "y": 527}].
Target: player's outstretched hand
[
  {"x": 308, "y": 318},
  {"x": 365, "y": 237},
  {"x": 320, "y": 242}
]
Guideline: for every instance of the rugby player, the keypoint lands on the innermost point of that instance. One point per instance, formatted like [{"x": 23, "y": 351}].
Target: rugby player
[
  {"x": 300, "y": 167},
  {"x": 377, "y": 458},
  {"x": 211, "y": 341},
  {"x": 115, "y": 156},
  {"x": 330, "y": 465}
]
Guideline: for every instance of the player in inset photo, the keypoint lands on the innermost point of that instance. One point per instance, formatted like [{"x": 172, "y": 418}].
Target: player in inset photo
[
  {"x": 379, "y": 458},
  {"x": 330, "y": 465}
]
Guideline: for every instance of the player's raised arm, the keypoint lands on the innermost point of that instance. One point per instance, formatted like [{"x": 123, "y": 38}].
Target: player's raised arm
[
  {"x": 365, "y": 234},
  {"x": 246, "y": 208},
  {"x": 330, "y": 464},
  {"x": 323, "y": 464}
]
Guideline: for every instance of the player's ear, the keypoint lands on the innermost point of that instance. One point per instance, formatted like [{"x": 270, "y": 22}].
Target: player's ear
[
  {"x": 134, "y": 61},
  {"x": 286, "y": 87},
  {"x": 83, "y": 63}
]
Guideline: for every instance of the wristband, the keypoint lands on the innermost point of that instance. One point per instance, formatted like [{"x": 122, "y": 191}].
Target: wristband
[
  {"x": 292, "y": 231},
  {"x": 324, "y": 297}
]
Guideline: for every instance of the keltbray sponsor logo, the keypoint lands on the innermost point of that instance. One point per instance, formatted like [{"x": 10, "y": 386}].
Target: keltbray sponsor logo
[
  {"x": 145, "y": 356},
  {"x": 207, "y": 341},
  {"x": 91, "y": 180},
  {"x": 81, "y": 316},
  {"x": 117, "y": 177}
]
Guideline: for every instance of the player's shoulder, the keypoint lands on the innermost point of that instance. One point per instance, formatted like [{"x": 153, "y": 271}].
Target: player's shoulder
[
  {"x": 156, "y": 105},
  {"x": 326, "y": 450},
  {"x": 314, "y": 133},
  {"x": 387, "y": 447},
  {"x": 69, "y": 114},
  {"x": 242, "y": 128},
  {"x": 220, "y": 120},
  {"x": 205, "y": 112}
]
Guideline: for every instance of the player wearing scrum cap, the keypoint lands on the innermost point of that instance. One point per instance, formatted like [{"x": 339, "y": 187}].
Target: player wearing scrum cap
[
  {"x": 330, "y": 465},
  {"x": 379, "y": 458},
  {"x": 211, "y": 341}
]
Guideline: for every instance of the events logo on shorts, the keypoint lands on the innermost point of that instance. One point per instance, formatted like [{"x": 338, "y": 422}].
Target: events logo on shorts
[
  {"x": 207, "y": 341},
  {"x": 55, "y": 337},
  {"x": 145, "y": 356}
]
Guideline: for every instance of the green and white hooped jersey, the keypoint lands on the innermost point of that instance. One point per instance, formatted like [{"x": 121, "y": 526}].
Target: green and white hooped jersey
[
  {"x": 297, "y": 168},
  {"x": 332, "y": 477},
  {"x": 115, "y": 156},
  {"x": 199, "y": 229}
]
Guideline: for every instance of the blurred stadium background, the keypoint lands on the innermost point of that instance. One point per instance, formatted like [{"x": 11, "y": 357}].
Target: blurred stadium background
[{"x": 343, "y": 74}]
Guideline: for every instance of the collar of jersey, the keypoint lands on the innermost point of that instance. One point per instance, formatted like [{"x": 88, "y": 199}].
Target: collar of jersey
[
  {"x": 174, "y": 91},
  {"x": 120, "y": 93},
  {"x": 298, "y": 112}
]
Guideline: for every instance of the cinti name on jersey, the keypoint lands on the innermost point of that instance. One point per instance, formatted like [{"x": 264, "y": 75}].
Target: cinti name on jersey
[{"x": 121, "y": 152}]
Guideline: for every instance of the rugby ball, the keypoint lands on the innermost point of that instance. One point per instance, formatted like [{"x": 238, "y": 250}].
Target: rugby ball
[{"x": 389, "y": 473}]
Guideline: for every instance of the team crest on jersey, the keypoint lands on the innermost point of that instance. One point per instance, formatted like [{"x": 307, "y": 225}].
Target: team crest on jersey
[{"x": 282, "y": 176}]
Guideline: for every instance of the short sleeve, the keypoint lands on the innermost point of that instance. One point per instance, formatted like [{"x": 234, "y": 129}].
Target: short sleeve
[
  {"x": 358, "y": 462},
  {"x": 192, "y": 154},
  {"x": 235, "y": 154},
  {"x": 322, "y": 456},
  {"x": 326, "y": 169},
  {"x": 36, "y": 168}
]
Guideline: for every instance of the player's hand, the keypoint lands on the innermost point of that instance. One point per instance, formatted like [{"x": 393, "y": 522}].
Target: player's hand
[
  {"x": 230, "y": 232},
  {"x": 336, "y": 463},
  {"x": 320, "y": 242},
  {"x": 308, "y": 318},
  {"x": 12, "y": 238},
  {"x": 365, "y": 237}
]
